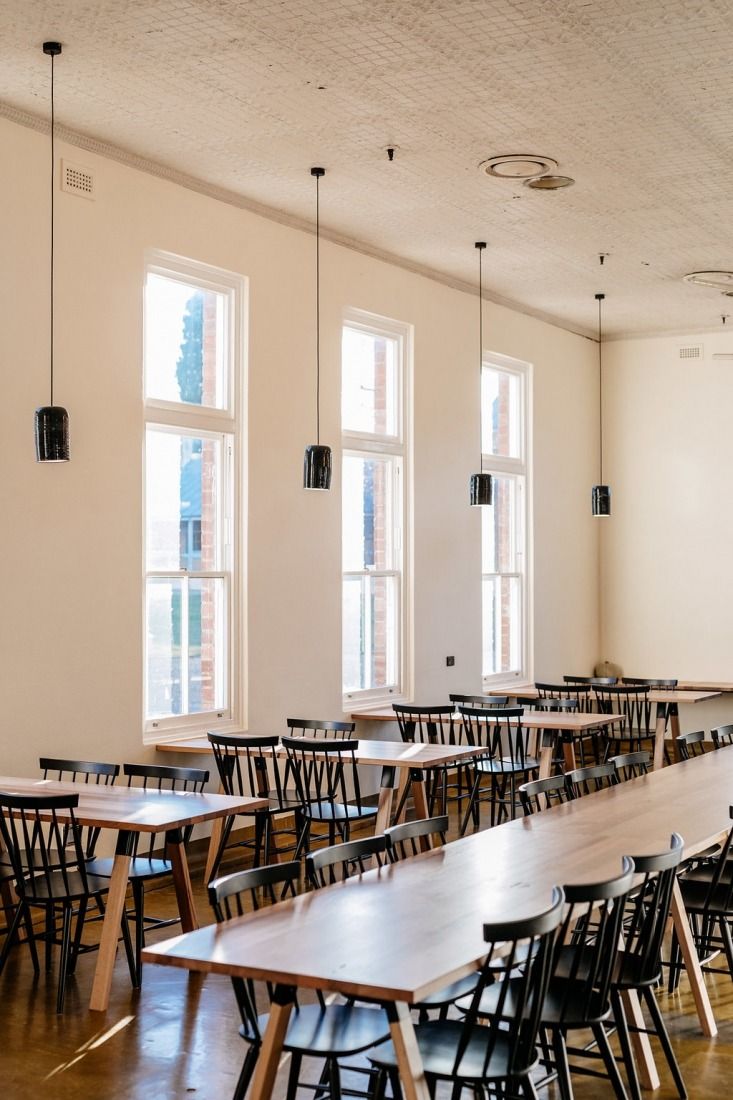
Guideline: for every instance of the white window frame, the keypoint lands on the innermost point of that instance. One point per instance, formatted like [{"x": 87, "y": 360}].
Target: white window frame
[
  {"x": 361, "y": 444},
  {"x": 227, "y": 425},
  {"x": 519, "y": 469}
]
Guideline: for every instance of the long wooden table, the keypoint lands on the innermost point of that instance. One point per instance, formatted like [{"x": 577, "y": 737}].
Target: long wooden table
[
  {"x": 570, "y": 724},
  {"x": 404, "y": 931},
  {"x": 413, "y": 761},
  {"x": 131, "y": 810}
]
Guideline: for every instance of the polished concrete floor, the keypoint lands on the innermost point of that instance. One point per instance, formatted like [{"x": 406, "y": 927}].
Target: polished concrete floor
[{"x": 177, "y": 1037}]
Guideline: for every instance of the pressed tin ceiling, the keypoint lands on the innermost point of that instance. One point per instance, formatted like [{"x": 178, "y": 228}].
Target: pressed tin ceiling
[{"x": 631, "y": 99}]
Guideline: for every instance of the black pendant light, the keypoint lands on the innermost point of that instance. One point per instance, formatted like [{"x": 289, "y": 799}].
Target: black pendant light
[
  {"x": 601, "y": 494},
  {"x": 317, "y": 461},
  {"x": 481, "y": 488},
  {"x": 52, "y": 421}
]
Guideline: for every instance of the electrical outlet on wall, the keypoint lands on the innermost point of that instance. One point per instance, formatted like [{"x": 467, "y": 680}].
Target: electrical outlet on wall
[{"x": 450, "y": 661}]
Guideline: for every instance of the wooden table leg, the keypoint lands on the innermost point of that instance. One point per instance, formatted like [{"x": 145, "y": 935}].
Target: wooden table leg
[
  {"x": 272, "y": 1043},
  {"x": 659, "y": 732},
  {"x": 545, "y": 752},
  {"x": 384, "y": 806},
  {"x": 568, "y": 752},
  {"x": 111, "y": 925},
  {"x": 642, "y": 1047},
  {"x": 176, "y": 852},
  {"x": 216, "y": 827},
  {"x": 409, "y": 1062},
  {"x": 404, "y": 782},
  {"x": 692, "y": 965}
]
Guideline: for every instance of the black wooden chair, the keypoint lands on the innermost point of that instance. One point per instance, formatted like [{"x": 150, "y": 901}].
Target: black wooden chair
[
  {"x": 81, "y": 771},
  {"x": 147, "y": 862},
  {"x": 630, "y": 765},
  {"x": 639, "y": 729},
  {"x": 597, "y": 777},
  {"x": 490, "y": 1053},
  {"x": 413, "y": 837},
  {"x": 46, "y": 848},
  {"x": 541, "y": 794},
  {"x": 327, "y": 785},
  {"x": 489, "y": 701},
  {"x": 328, "y": 1032},
  {"x": 690, "y": 745},
  {"x": 320, "y": 728},
  {"x": 722, "y": 736},
  {"x": 432, "y": 725},
  {"x": 341, "y": 861},
  {"x": 249, "y": 767},
  {"x": 506, "y": 763},
  {"x": 594, "y": 681}
]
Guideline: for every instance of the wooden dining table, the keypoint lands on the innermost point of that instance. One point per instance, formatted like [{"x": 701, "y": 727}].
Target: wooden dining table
[
  {"x": 131, "y": 810},
  {"x": 402, "y": 932},
  {"x": 570, "y": 725},
  {"x": 407, "y": 761}
]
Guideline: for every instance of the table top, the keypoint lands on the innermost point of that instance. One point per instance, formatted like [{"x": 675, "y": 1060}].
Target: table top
[
  {"x": 395, "y": 754},
  {"x": 403, "y": 931},
  {"x": 681, "y": 695},
  {"x": 720, "y": 686},
  {"x": 569, "y": 721},
  {"x": 134, "y": 809}
]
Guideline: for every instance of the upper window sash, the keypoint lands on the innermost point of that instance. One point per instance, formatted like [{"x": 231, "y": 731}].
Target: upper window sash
[
  {"x": 503, "y": 396},
  {"x": 357, "y": 364}
]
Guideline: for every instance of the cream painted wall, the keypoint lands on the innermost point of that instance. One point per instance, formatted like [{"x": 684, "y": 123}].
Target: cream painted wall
[
  {"x": 667, "y": 586},
  {"x": 70, "y": 642}
]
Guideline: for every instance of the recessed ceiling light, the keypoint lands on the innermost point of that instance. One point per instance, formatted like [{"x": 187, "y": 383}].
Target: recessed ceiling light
[
  {"x": 517, "y": 166},
  {"x": 718, "y": 280},
  {"x": 549, "y": 183}
]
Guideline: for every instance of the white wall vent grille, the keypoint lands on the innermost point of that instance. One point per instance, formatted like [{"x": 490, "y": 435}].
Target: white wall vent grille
[
  {"x": 77, "y": 180},
  {"x": 691, "y": 351}
]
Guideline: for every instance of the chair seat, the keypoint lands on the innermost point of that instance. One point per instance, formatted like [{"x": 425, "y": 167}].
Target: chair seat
[
  {"x": 337, "y": 811},
  {"x": 695, "y": 891},
  {"x": 59, "y": 887},
  {"x": 505, "y": 766},
  {"x": 438, "y": 1042},
  {"x": 333, "y": 1031},
  {"x": 450, "y": 993},
  {"x": 140, "y": 867},
  {"x": 563, "y": 1005}
]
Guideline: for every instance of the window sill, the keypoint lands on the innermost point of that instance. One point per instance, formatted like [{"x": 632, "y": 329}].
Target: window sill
[{"x": 168, "y": 733}]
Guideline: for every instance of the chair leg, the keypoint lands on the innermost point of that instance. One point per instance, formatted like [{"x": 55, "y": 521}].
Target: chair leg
[
  {"x": 675, "y": 964},
  {"x": 562, "y": 1066},
  {"x": 129, "y": 949},
  {"x": 223, "y": 841},
  {"x": 528, "y": 1088},
  {"x": 334, "y": 1077},
  {"x": 138, "y": 897},
  {"x": 21, "y": 913},
  {"x": 77, "y": 935},
  {"x": 64, "y": 961},
  {"x": 627, "y": 1053},
  {"x": 245, "y": 1074},
  {"x": 296, "y": 1059},
  {"x": 600, "y": 1036},
  {"x": 49, "y": 936},
  {"x": 663, "y": 1036},
  {"x": 471, "y": 801}
]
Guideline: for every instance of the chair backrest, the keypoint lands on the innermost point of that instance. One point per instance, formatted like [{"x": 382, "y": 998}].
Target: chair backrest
[
  {"x": 565, "y": 695},
  {"x": 320, "y": 728},
  {"x": 228, "y": 895},
  {"x": 719, "y": 892},
  {"x": 551, "y": 703},
  {"x": 722, "y": 736},
  {"x": 407, "y": 839},
  {"x": 647, "y": 911},
  {"x": 518, "y": 965},
  {"x": 582, "y": 781},
  {"x": 499, "y": 731},
  {"x": 630, "y": 765},
  {"x": 341, "y": 861},
  {"x": 81, "y": 771},
  {"x": 427, "y": 725},
  {"x": 592, "y": 680},
  {"x": 489, "y": 701},
  {"x": 631, "y": 700},
  {"x": 661, "y": 685},
  {"x": 324, "y": 772},
  {"x": 249, "y": 766},
  {"x": 540, "y": 794},
  {"x": 159, "y": 777},
  {"x": 691, "y": 744},
  {"x": 44, "y": 843},
  {"x": 587, "y": 945}
]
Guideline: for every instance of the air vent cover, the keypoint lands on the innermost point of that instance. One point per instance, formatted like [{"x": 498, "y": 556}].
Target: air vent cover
[
  {"x": 77, "y": 180},
  {"x": 691, "y": 351}
]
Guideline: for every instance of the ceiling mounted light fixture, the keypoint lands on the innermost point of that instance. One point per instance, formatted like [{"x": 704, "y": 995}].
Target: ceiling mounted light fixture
[
  {"x": 52, "y": 421},
  {"x": 517, "y": 166},
  {"x": 549, "y": 183},
  {"x": 317, "y": 461},
  {"x": 481, "y": 489},
  {"x": 601, "y": 494}
]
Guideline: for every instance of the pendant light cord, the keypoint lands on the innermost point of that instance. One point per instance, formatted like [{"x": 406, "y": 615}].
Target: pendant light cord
[
  {"x": 53, "y": 169},
  {"x": 600, "y": 298},
  {"x": 481, "y": 245},
  {"x": 318, "y": 312}
]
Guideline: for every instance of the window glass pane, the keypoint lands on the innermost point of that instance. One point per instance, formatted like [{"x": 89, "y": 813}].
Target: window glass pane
[
  {"x": 368, "y": 512},
  {"x": 206, "y": 648},
  {"x": 501, "y": 417},
  {"x": 370, "y": 632},
  {"x": 502, "y": 643},
  {"x": 164, "y": 689},
  {"x": 500, "y": 527},
  {"x": 369, "y": 401},
  {"x": 185, "y": 343},
  {"x": 183, "y": 478}
]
